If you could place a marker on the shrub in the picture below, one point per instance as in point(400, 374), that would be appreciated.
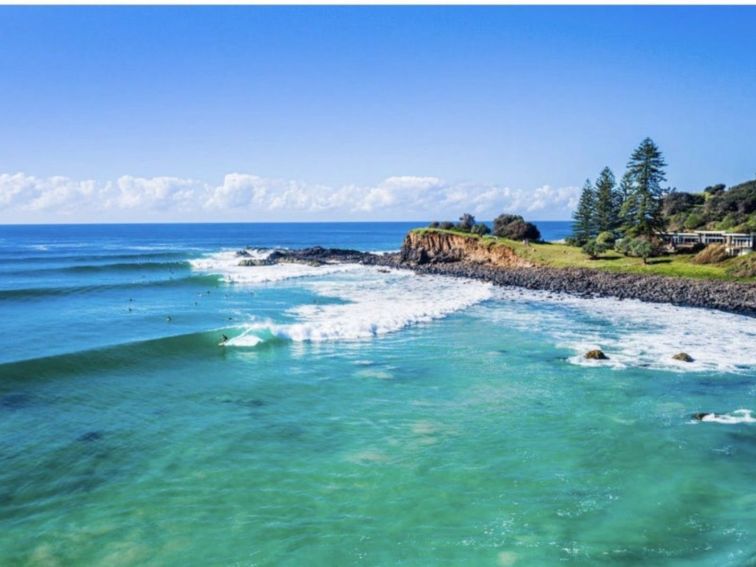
point(694, 220)
point(480, 229)
point(434, 224)
point(714, 189)
point(446, 225)
point(514, 227)
point(623, 246)
point(728, 222)
point(712, 254)
point(640, 247)
point(744, 266)
point(593, 248)
point(645, 248)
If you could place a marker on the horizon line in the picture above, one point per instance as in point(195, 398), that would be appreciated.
point(235, 222)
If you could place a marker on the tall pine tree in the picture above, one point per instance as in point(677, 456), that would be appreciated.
point(584, 225)
point(624, 189)
point(641, 210)
point(607, 212)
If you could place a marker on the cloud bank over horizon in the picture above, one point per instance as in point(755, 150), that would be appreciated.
point(243, 197)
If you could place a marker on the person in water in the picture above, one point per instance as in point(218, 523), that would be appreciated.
point(224, 339)
point(703, 415)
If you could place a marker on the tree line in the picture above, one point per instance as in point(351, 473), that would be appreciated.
point(506, 225)
point(628, 214)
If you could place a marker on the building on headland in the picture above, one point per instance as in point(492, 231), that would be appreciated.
point(736, 243)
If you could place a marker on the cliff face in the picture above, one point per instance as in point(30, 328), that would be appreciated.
point(440, 247)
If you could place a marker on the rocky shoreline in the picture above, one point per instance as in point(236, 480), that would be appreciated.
point(710, 294)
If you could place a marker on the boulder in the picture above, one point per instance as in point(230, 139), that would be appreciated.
point(683, 357)
point(596, 354)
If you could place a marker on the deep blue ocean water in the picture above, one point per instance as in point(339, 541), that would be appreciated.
point(354, 415)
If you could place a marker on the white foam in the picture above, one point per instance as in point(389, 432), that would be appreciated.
point(244, 340)
point(631, 332)
point(738, 416)
point(226, 264)
point(375, 303)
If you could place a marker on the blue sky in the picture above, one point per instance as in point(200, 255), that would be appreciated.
point(386, 113)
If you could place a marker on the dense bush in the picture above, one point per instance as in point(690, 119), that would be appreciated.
point(714, 189)
point(693, 221)
point(480, 229)
point(593, 247)
point(434, 224)
point(712, 254)
point(446, 225)
point(679, 202)
point(716, 208)
point(514, 227)
point(641, 247)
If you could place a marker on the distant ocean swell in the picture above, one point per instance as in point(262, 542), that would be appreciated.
point(154, 352)
point(43, 292)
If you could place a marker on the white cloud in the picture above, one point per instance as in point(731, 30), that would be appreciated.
point(242, 196)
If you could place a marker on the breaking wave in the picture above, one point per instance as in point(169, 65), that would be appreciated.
point(372, 302)
point(226, 264)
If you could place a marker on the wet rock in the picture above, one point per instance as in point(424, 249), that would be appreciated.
point(596, 354)
point(313, 256)
point(683, 357)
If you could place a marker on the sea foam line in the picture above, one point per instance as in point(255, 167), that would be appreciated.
point(632, 333)
point(226, 265)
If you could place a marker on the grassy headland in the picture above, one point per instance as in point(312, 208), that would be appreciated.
point(564, 256)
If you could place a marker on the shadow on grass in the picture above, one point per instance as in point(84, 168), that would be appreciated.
point(659, 261)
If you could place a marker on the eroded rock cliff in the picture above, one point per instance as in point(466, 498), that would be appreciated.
point(440, 247)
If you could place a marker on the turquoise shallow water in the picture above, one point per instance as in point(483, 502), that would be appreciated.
point(355, 416)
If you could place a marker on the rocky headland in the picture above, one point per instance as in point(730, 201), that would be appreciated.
point(439, 253)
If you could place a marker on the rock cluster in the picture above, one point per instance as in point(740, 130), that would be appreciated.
point(596, 354)
point(314, 256)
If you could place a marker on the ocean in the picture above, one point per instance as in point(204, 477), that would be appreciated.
point(355, 415)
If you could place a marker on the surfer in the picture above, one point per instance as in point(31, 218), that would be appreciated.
point(737, 416)
point(701, 415)
point(223, 341)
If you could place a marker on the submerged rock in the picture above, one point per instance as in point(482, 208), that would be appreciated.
point(90, 436)
point(15, 401)
point(596, 354)
point(683, 357)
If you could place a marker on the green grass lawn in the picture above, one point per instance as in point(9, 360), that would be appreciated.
point(564, 256)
